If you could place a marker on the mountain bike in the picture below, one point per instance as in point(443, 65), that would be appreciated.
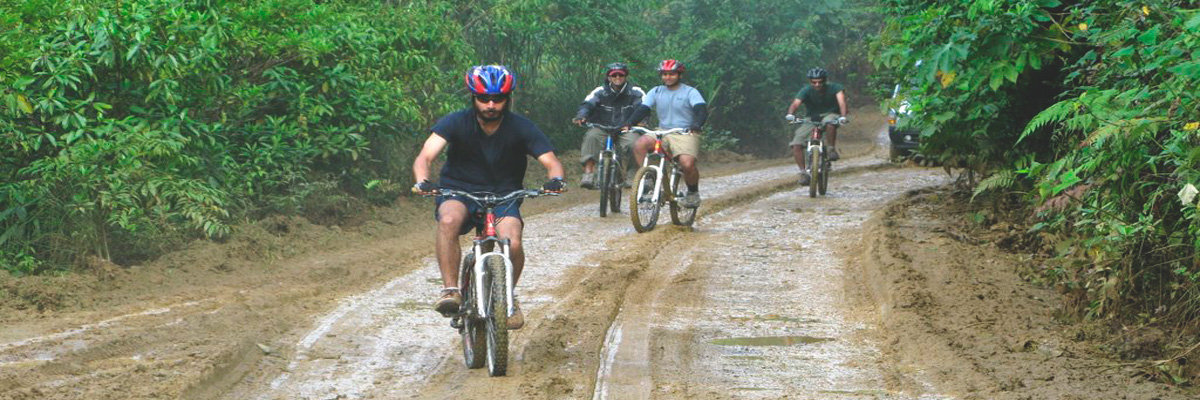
point(658, 182)
point(816, 160)
point(612, 175)
point(485, 279)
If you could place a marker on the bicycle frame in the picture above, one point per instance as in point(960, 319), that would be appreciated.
point(610, 150)
point(487, 243)
point(661, 155)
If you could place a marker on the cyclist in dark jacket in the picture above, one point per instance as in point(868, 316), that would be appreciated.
point(609, 104)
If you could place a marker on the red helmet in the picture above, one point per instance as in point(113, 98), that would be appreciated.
point(490, 79)
point(670, 65)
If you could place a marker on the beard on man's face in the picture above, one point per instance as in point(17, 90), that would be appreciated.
point(490, 112)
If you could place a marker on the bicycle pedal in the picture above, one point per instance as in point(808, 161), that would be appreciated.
point(456, 322)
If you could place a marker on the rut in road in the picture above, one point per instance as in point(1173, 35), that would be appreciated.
point(751, 305)
point(388, 342)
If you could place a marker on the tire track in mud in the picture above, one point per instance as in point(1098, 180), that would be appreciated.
point(752, 306)
point(388, 343)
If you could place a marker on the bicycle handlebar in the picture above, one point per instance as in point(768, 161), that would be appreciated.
point(675, 131)
point(486, 198)
point(819, 123)
point(602, 127)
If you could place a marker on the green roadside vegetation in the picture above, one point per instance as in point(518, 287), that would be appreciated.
point(1087, 112)
point(129, 127)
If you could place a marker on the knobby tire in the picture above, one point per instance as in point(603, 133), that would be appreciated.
point(604, 183)
point(497, 321)
point(814, 165)
point(474, 335)
point(614, 187)
point(825, 176)
point(644, 214)
point(680, 215)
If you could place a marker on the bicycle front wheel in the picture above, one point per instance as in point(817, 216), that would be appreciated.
point(497, 321)
point(643, 204)
point(472, 330)
point(614, 185)
point(604, 182)
point(680, 215)
point(814, 165)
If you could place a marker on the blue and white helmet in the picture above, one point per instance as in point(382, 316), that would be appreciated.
point(490, 79)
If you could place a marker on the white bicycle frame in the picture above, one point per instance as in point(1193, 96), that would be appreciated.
point(661, 160)
point(480, 272)
point(500, 248)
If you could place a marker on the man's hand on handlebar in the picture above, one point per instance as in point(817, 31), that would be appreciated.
point(555, 185)
point(842, 120)
point(790, 117)
point(425, 187)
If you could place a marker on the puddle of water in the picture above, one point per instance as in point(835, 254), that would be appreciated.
point(751, 358)
point(769, 341)
point(860, 392)
point(776, 317)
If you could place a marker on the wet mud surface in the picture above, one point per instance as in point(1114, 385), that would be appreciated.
point(771, 294)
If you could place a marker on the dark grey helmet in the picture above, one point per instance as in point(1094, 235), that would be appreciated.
point(818, 73)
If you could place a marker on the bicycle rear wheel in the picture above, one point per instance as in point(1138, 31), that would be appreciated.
point(824, 181)
point(680, 215)
point(643, 207)
point(472, 330)
point(497, 321)
point(604, 182)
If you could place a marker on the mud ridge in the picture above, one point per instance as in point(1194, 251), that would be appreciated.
point(956, 313)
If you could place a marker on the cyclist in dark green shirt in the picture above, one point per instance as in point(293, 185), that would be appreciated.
point(823, 101)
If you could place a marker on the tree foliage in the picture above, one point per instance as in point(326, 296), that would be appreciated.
point(129, 126)
point(1094, 104)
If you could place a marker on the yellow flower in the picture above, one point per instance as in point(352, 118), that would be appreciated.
point(1145, 10)
point(947, 78)
point(1082, 26)
point(1191, 126)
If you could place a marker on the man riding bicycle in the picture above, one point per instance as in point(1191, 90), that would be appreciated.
point(609, 104)
point(677, 105)
point(823, 101)
point(486, 145)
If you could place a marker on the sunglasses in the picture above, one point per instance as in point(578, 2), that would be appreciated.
point(491, 98)
point(616, 75)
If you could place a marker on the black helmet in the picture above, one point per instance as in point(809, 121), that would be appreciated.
point(817, 73)
point(617, 66)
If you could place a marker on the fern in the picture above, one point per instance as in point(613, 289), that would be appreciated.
point(1005, 179)
point(1056, 113)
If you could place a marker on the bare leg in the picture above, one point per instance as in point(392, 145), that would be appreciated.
point(798, 155)
point(645, 144)
point(589, 166)
point(511, 228)
point(452, 214)
point(691, 172)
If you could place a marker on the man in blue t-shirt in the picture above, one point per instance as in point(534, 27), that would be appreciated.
point(677, 105)
point(486, 148)
point(824, 101)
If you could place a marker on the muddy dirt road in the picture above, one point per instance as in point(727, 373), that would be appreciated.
point(759, 300)
point(748, 305)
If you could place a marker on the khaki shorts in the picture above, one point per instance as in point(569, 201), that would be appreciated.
point(679, 145)
point(593, 144)
point(800, 138)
